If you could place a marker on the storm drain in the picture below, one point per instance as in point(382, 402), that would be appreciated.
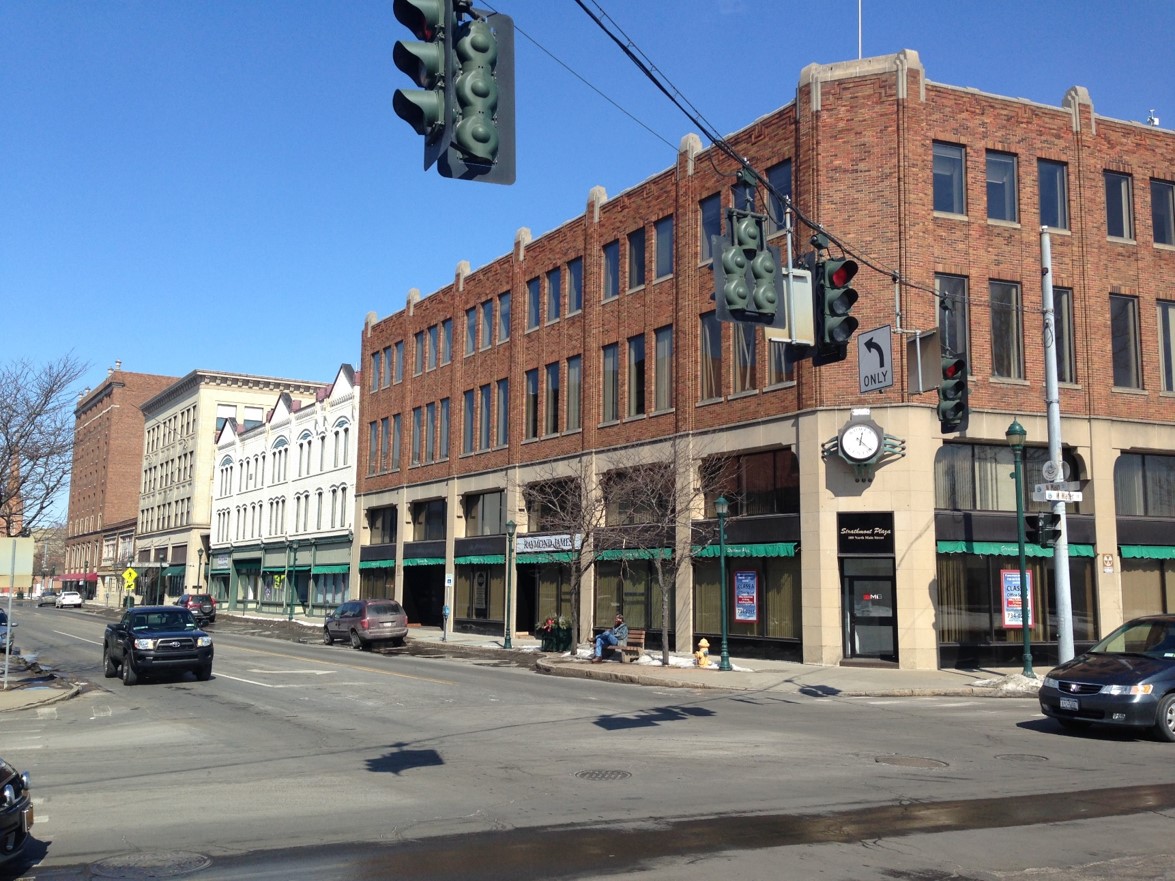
point(909, 762)
point(602, 774)
point(157, 864)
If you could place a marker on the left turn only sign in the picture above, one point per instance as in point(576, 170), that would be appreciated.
point(875, 359)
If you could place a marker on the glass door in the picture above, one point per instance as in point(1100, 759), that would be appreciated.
point(870, 608)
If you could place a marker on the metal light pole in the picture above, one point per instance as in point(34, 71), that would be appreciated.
point(289, 587)
point(85, 583)
point(1015, 436)
point(200, 570)
point(722, 507)
point(511, 526)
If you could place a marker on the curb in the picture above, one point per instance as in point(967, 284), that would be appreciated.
point(60, 694)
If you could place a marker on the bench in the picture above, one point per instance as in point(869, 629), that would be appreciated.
point(633, 647)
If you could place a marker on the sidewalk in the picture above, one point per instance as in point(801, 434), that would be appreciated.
point(29, 686)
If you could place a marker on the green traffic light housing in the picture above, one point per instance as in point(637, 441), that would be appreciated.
point(838, 301)
point(747, 282)
point(952, 408)
point(427, 61)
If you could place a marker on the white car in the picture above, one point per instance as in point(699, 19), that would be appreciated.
point(69, 598)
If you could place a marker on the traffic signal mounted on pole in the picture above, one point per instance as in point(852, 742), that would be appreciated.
point(952, 395)
point(748, 283)
point(1042, 529)
point(465, 106)
point(835, 298)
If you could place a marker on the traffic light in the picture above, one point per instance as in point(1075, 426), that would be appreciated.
point(952, 395)
point(747, 280)
point(835, 298)
point(428, 60)
point(1048, 529)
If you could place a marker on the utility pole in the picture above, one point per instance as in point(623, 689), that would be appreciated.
point(1053, 404)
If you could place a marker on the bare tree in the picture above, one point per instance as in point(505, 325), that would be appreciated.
point(36, 439)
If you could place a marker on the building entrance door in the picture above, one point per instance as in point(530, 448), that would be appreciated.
point(870, 608)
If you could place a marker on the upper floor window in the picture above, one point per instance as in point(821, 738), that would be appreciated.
point(418, 363)
point(743, 338)
point(468, 422)
point(532, 403)
point(551, 404)
point(1163, 211)
point(376, 358)
point(428, 520)
point(952, 314)
point(1054, 193)
point(974, 477)
point(779, 176)
point(663, 259)
point(554, 294)
point(1119, 206)
point(611, 270)
point(574, 286)
point(753, 484)
point(710, 357)
point(1002, 202)
point(1144, 485)
point(483, 434)
point(503, 434)
point(1127, 355)
point(389, 367)
point(487, 324)
point(636, 258)
point(470, 330)
point(483, 513)
point(1167, 344)
point(949, 179)
point(446, 340)
point(503, 316)
point(431, 360)
point(1066, 348)
point(710, 212)
point(1007, 331)
point(663, 368)
point(398, 356)
point(610, 381)
point(533, 303)
point(574, 392)
point(636, 376)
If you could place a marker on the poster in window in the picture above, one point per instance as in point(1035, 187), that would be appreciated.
point(746, 596)
point(1010, 590)
point(479, 589)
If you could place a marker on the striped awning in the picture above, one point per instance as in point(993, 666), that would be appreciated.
point(743, 549)
point(1007, 549)
point(480, 559)
point(330, 569)
point(634, 554)
point(1147, 552)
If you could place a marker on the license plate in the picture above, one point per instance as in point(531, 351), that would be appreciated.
point(385, 624)
point(1069, 703)
point(26, 818)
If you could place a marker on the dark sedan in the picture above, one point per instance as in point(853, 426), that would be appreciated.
point(16, 811)
point(1126, 680)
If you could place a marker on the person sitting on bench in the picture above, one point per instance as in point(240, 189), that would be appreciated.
point(612, 637)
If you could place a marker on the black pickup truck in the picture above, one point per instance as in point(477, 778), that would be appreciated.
point(152, 640)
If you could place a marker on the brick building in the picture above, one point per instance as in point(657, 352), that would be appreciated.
point(104, 479)
point(599, 338)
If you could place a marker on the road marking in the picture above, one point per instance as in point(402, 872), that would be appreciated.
point(382, 671)
point(310, 672)
point(78, 638)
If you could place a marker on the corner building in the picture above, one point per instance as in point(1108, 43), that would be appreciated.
point(599, 338)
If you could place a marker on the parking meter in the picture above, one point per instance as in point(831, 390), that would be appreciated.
point(445, 624)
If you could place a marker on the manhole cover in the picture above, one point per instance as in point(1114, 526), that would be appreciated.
point(602, 774)
point(910, 762)
point(1022, 757)
point(162, 864)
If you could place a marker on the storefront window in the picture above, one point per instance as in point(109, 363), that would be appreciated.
point(629, 587)
point(1148, 587)
point(778, 602)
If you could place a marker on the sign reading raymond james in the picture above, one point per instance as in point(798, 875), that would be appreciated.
point(870, 532)
point(537, 544)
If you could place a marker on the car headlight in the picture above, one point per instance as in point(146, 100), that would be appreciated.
point(1049, 682)
point(7, 796)
point(1132, 690)
point(145, 644)
point(204, 641)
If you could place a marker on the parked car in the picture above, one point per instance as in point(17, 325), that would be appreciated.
point(16, 811)
point(150, 640)
point(1126, 680)
point(5, 629)
point(367, 622)
point(48, 598)
point(202, 605)
point(68, 598)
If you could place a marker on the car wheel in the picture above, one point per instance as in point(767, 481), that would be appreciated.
point(398, 642)
point(1165, 719)
point(108, 667)
point(356, 642)
point(130, 676)
point(204, 672)
point(327, 639)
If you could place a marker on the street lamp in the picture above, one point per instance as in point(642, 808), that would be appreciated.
point(85, 574)
point(722, 507)
point(200, 570)
point(293, 575)
point(511, 526)
point(1015, 436)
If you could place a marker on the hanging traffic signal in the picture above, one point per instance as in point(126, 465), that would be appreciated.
point(428, 60)
point(834, 300)
point(1048, 529)
point(953, 412)
point(482, 145)
point(747, 282)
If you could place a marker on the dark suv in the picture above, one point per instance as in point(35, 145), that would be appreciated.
point(366, 622)
point(201, 605)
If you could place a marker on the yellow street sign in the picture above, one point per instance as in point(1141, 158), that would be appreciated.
point(128, 576)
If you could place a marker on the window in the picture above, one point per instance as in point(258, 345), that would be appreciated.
point(952, 314)
point(743, 337)
point(574, 286)
point(431, 357)
point(610, 411)
point(574, 393)
point(372, 448)
point(398, 354)
point(1119, 206)
point(1163, 211)
point(503, 317)
point(949, 187)
point(1007, 342)
point(376, 358)
point(428, 520)
point(1167, 344)
point(396, 442)
point(779, 177)
point(417, 425)
point(1002, 201)
point(551, 404)
point(754, 483)
point(663, 369)
point(636, 376)
point(487, 324)
point(533, 304)
point(483, 435)
point(710, 369)
point(467, 424)
point(1054, 193)
point(1065, 338)
point(443, 434)
point(554, 294)
point(636, 258)
point(779, 369)
point(1124, 339)
point(483, 513)
point(611, 270)
point(503, 435)
point(382, 522)
point(1144, 485)
point(975, 477)
point(446, 340)
point(532, 404)
point(418, 364)
point(470, 330)
point(430, 432)
point(385, 442)
point(710, 210)
point(663, 235)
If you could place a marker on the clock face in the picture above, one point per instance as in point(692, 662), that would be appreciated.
point(860, 442)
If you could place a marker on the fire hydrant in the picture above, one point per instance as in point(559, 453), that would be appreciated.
point(702, 655)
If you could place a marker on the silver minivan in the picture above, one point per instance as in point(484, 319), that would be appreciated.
point(365, 623)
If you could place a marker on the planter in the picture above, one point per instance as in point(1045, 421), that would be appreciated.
point(556, 640)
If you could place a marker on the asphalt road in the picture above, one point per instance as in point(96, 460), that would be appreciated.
point(306, 761)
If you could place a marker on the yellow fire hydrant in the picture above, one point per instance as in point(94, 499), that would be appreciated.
point(702, 655)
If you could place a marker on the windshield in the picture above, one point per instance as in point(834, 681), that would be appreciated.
point(1144, 637)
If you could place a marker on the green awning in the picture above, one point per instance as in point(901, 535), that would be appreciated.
point(474, 559)
point(278, 570)
point(634, 553)
point(1147, 552)
point(545, 557)
point(220, 571)
point(1008, 549)
point(173, 570)
point(769, 549)
point(424, 561)
point(331, 569)
point(377, 564)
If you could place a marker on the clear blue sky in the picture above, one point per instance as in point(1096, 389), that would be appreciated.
point(223, 184)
